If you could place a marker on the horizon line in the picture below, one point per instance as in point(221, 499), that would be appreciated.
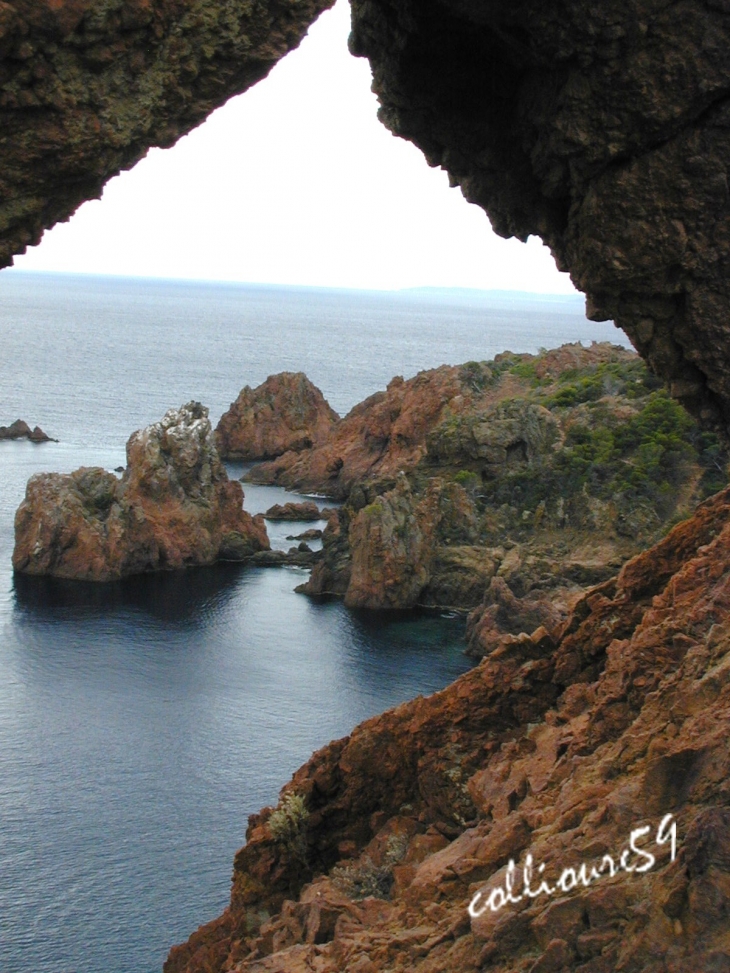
point(432, 289)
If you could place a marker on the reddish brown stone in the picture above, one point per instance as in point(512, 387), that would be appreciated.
point(286, 412)
point(560, 749)
point(173, 507)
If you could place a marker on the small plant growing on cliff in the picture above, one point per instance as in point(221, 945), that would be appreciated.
point(468, 480)
point(364, 878)
point(476, 376)
point(288, 825)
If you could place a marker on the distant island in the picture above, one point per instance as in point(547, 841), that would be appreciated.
point(21, 430)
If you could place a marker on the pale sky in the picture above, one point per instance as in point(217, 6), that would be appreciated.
point(295, 182)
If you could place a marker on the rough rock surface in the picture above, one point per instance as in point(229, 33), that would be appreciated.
point(21, 430)
point(173, 507)
point(286, 412)
point(380, 436)
point(602, 128)
point(306, 510)
point(396, 542)
point(557, 747)
point(87, 87)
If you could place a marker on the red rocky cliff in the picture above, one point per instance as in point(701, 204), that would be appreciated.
point(555, 747)
point(173, 507)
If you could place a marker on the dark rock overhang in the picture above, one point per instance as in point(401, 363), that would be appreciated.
point(602, 128)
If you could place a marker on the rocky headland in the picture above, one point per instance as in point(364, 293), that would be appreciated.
point(504, 487)
point(568, 748)
point(603, 129)
point(286, 412)
point(173, 507)
point(21, 430)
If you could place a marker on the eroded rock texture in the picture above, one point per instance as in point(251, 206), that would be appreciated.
point(285, 413)
point(555, 746)
point(173, 507)
point(601, 127)
point(87, 86)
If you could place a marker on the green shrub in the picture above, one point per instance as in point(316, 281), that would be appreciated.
point(476, 376)
point(631, 379)
point(647, 458)
point(467, 479)
point(288, 825)
point(363, 878)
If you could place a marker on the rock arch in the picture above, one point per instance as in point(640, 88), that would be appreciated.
point(602, 128)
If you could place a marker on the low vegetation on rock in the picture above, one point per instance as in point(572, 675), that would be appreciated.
point(503, 487)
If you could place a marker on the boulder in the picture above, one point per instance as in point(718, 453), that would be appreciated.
point(173, 507)
point(307, 510)
point(286, 412)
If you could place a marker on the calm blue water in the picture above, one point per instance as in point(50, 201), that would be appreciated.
point(140, 723)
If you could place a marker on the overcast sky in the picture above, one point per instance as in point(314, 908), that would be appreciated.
point(295, 182)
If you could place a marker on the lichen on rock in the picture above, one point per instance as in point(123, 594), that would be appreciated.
point(173, 507)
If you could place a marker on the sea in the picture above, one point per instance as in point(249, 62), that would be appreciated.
point(142, 722)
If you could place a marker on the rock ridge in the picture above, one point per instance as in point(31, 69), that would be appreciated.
point(557, 746)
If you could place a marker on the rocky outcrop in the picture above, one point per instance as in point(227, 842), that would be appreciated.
point(286, 412)
point(173, 507)
point(557, 747)
point(502, 613)
point(455, 414)
point(542, 475)
point(398, 549)
point(86, 88)
point(21, 430)
point(307, 510)
point(382, 435)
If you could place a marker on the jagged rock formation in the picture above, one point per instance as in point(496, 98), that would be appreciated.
point(173, 507)
point(286, 412)
point(540, 473)
point(560, 748)
point(601, 128)
point(87, 87)
point(380, 436)
point(21, 430)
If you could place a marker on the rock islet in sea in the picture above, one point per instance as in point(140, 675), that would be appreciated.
point(173, 507)
point(21, 430)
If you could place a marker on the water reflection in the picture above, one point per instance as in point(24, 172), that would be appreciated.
point(186, 599)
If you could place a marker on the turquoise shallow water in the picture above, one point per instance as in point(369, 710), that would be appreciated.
point(140, 723)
